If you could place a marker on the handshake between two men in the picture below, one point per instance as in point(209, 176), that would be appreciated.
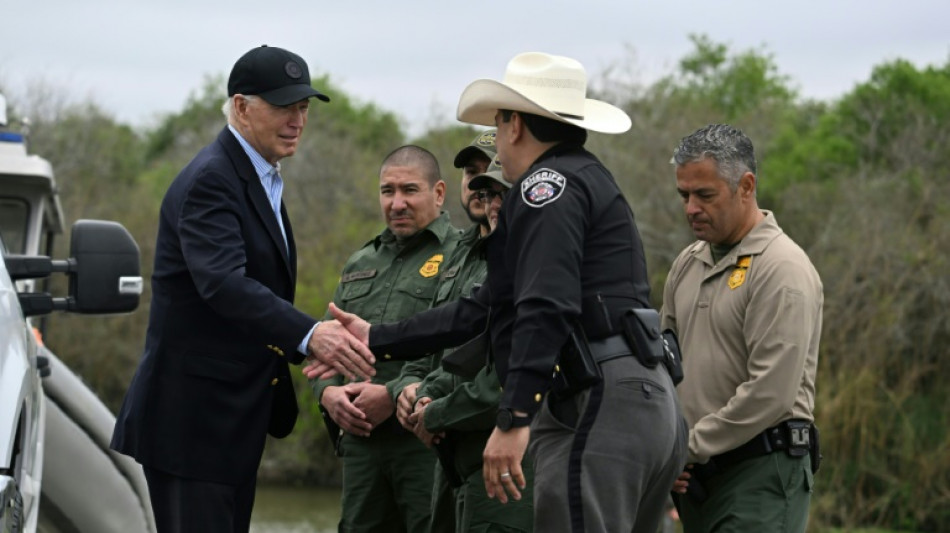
point(340, 347)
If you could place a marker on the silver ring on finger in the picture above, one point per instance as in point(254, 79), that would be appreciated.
point(505, 474)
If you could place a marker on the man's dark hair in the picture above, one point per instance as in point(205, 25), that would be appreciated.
point(725, 144)
point(411, 155)
point(547, 129)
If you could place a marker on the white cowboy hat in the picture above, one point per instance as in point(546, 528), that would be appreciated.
point(541, 84)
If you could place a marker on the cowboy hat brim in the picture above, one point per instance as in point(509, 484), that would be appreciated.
point(483, 98)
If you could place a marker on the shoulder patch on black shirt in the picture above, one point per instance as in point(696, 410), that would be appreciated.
point(542, 187)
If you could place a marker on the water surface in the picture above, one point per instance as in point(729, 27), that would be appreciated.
point(279, 509)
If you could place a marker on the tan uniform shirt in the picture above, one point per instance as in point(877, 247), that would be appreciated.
point(749, 328)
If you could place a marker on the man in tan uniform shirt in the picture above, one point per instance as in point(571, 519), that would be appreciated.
point(746, 303)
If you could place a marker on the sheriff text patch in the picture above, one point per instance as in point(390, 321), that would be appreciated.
point(542, 187)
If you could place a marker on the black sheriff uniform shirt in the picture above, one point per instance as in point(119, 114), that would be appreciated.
point(566, 250)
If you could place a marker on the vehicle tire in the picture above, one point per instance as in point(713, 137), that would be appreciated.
point(11, 518)
point(17, 513)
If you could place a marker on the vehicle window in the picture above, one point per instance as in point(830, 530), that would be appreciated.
point(14, 217)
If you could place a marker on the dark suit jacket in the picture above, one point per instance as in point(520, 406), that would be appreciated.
point(214, 377)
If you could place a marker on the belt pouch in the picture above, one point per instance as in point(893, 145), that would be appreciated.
point(641, 327)
point(798, 435)
point(673, 360)
point(579, 371)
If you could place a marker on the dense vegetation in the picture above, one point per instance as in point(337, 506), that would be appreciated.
point(860, 182)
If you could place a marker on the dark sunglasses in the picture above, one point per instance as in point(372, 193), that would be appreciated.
point(487, 195)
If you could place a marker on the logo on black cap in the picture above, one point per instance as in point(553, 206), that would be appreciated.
point(293, 69)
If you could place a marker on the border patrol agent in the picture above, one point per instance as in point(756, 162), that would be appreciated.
point(474, 160)
point(565, 266)
point(387, 472)
point(746, 303)
point(463, 409)
point(459, 274)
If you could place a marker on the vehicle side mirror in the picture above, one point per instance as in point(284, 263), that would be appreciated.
point(106, 277)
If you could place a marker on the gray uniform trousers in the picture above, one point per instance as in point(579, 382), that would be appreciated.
point(606, 458)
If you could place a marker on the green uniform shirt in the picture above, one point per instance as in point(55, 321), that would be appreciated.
point(458, 403)
point(456, 278)
point(386, 281)
point(466, 408)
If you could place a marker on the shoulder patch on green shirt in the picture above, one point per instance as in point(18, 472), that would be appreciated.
point(362, 274)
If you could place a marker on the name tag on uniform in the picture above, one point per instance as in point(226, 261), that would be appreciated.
point(452, 272)
point(362, 274)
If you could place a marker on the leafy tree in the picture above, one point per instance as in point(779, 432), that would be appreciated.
point(893, 122)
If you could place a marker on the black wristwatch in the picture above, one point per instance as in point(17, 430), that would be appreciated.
point(506, 419)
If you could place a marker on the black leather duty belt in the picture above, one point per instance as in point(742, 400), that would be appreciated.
point(608, 348)
point(792, 436)
point(797, 438)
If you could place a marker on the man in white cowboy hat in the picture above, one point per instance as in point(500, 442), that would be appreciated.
point(565, 268)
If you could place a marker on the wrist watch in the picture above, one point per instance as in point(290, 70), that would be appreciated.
point(506, 419)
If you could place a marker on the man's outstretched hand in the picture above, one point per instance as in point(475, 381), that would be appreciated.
point(336, 349)
point(358, 327)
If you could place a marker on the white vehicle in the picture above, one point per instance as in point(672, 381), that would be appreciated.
point(57, 473)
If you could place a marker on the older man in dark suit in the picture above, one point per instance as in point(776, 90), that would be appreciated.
point(214, 378)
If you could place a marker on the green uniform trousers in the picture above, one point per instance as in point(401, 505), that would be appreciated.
point(769, 493)
point(443, 503)
point(475, 512)
point(387, 483)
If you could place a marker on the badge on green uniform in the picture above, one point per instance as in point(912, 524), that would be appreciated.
point(431, 266)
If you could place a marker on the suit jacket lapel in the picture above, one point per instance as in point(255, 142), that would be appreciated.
point(255, 191)
point(292, 252)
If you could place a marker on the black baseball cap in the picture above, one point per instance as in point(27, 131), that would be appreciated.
point(278, 76)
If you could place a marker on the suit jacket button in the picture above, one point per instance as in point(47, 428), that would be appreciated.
point(387, 357)
point(274, 381)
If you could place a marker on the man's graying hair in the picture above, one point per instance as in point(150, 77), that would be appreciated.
point(727, 145)
point(229, 104)
point(411, 155)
